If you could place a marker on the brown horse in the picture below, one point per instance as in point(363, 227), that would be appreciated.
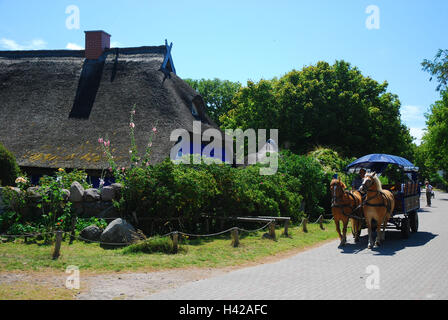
point(379, 205)
point(345, 205)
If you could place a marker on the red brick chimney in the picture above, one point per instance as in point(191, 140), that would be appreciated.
point(96, 42)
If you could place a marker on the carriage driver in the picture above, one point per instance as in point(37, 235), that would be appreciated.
point(357, 182)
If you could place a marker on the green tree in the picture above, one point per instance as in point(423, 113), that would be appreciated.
point(324, 105)
point(435, 141)
point(217, 95)
point(438, 68)
point(432, 154)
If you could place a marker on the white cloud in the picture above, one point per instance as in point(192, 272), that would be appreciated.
point(412, 114)
point(115, 44)
point(73, 46)
point(35, 44)
point(417, 133)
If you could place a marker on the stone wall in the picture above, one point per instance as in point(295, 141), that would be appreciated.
point(85, 202)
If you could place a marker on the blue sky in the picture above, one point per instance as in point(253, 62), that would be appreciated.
point(254, 39)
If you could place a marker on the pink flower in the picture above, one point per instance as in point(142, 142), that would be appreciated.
point(132, 125)
point(110, 169)
point(150, 144)
point(122, 169)
point(154, 129)
point(133, 112)
point(100, 140)
point(107, 143)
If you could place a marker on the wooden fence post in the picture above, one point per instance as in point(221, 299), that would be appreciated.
point(235, 239)
point(305, 221)
point(286, 227)
point(272, 230)
point(175, 241)
point(72, 234)
point(57, 245)
point(321, 221)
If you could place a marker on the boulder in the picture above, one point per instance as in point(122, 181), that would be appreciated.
point(66, 194)
point(117, 188)
point(118, 231)
point(76, 192)
point(33, 194)
point(91, 195)
point(92, 233)
point(108, 193)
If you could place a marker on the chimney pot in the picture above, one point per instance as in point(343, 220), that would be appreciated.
point(96, 43)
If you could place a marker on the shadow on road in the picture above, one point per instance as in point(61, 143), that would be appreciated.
point(394, 243)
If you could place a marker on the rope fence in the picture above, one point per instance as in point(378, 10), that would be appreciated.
point(173, 234)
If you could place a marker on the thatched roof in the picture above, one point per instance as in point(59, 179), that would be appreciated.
point(46, 120)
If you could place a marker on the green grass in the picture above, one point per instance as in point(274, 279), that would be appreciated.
point(203, 252)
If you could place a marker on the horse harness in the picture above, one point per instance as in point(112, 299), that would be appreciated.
point(354, 208)
point(386, 200)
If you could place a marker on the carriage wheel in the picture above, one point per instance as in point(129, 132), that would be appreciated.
point(414, 221)
point(405, 228)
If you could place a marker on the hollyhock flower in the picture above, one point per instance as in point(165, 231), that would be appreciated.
point(150, 145)
point(101, 182)
point(154, 129)
point(122, 169)
point(132, 125)
point(107, 143)
point(100, 140)
point(133, 112)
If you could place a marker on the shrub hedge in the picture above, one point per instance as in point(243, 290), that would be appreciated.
point(9, 170)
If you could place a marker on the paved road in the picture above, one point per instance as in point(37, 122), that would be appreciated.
point(415, 268)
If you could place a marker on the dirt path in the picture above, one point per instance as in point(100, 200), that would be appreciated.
point(103, 286)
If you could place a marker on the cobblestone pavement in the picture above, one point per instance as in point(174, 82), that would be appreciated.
point(414, 268)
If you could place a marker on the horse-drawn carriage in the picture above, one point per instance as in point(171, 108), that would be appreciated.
point(374, 204)
point(406, 193)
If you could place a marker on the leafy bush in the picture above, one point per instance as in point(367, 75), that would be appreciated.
point(65, 179)
point(331, 163)
point(169, 191)
point(9, 170)
point(82, 223)
point(311, 177)
point(53, 209)
point(153, 245)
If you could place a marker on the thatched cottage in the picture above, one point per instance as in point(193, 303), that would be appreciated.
point(55, 104)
